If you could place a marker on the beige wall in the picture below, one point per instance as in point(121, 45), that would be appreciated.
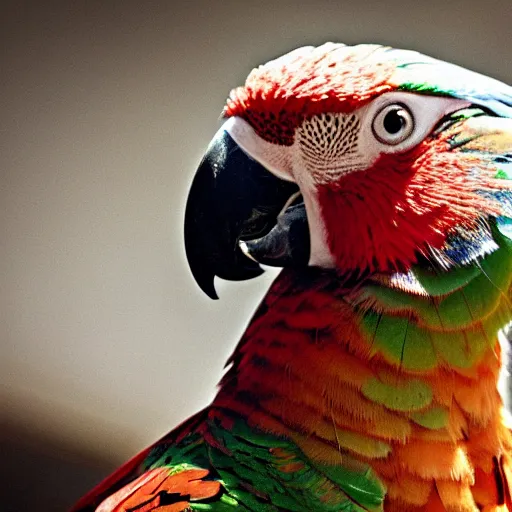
point(106, 109)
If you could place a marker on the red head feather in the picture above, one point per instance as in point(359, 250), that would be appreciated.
point(405, 205)
point(331, 78)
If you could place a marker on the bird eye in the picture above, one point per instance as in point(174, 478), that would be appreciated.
point(393, 124)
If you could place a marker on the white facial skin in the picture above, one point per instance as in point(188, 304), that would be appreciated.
point(328, 146)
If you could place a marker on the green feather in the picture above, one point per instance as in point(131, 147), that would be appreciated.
point(442, 283)
point(410, 395)
point(307, 487)
point(433, 419)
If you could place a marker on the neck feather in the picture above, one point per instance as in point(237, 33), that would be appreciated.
point(377, 373)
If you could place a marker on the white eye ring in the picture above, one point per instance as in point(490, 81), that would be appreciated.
point(393, 124)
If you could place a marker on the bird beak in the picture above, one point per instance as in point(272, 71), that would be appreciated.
point(239, 215)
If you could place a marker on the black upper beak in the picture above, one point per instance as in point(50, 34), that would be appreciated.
point(233, 198)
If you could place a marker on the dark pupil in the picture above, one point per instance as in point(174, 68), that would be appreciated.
point(393, 121)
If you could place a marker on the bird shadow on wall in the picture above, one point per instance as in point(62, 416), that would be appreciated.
point(41, 472)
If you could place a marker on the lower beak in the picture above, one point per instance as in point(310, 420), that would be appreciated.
point(235, 203)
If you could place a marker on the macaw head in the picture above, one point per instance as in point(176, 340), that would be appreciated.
point(360, 159)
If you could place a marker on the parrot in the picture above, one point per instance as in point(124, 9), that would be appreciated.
point(380, 181)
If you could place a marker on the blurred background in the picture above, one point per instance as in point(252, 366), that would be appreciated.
point(107, 107)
